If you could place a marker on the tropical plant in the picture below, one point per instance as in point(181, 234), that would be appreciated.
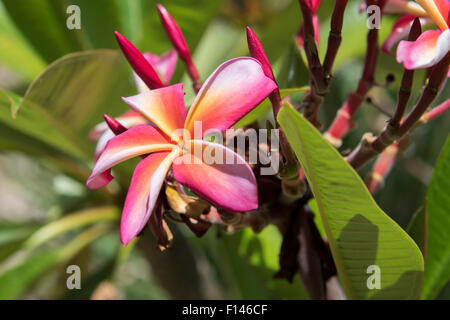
point(249, 178)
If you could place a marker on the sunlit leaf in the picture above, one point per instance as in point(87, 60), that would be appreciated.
point(359, 232)
point(70, 222)
point(36, 124)
point(43, 22)
point(15, 51)
point(437, 262)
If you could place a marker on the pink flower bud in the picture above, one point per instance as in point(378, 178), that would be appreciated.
point(114, 125)
point(138, 62)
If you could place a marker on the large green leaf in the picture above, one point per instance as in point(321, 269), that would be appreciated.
point(359, 232)
point(15, 52)
point(70, 97)
point(43, 23)
point(70, 222)
point(255, 260)
point(34, 125)
point(437, 262)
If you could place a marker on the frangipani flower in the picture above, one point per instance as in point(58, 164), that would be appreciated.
point(164, 67)
point(234, 89)
point(432, 45)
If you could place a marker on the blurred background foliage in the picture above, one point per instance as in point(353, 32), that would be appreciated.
point(54, 88)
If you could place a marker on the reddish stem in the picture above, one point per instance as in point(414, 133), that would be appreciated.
point(334, 38)
point(405, 90)
point(343, 121)
point(178, 41)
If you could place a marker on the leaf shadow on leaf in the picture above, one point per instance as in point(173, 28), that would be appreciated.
point(367, 250)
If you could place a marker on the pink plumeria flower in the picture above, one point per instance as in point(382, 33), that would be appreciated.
point(432, 45)
point(164, 67)
point(233, 90)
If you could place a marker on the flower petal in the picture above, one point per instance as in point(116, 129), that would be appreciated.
point(141, 139)
point(400, 30)
point(228, 184)
point(164, 65)
point(164, 107)
point(403, 7)
point(444, 8)
point(234, 89)
point(426, 51)
point(148, 178)
point(103, 133)
point(433, 9)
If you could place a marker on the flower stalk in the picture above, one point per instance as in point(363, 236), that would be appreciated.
point(178, 41)
point(407, 80)
point(334, 38)
point(343, 122)
point(371, 146)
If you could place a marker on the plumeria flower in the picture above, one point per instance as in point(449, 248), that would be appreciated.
point(432, 45)
point(233, 90)
point(164, 67)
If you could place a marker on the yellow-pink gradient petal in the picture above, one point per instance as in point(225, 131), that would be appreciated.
point(233, 90)
point(230, 184)
point(164, 107)
point(139, 140)
point(148, 178)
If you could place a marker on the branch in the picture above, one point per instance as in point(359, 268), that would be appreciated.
point(343, 121)
point(405, 89)
point(370, 146)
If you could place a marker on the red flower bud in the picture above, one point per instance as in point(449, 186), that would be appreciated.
point(114, 125)
point(178, 41)
point(138, 62)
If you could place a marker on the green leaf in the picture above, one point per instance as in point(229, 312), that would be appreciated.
point(254, 259)
point(437, 262)
point(17, 278)
point(36, 124)
point(12, 237)
point(70, 222)
point(64, 103)
point(417, 228)
point(359, 232)
point(260, 111)
point(99, 20)
point(15, 51)
point(43, 22)
point(293, 72)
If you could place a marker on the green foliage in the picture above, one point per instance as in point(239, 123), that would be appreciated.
point(359, 232)
point(437, 262)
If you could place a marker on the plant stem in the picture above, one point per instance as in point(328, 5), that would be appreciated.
point(371, 146)
point(343, 121)
point(312, 102)
point(405, 90)
point(334, 38)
